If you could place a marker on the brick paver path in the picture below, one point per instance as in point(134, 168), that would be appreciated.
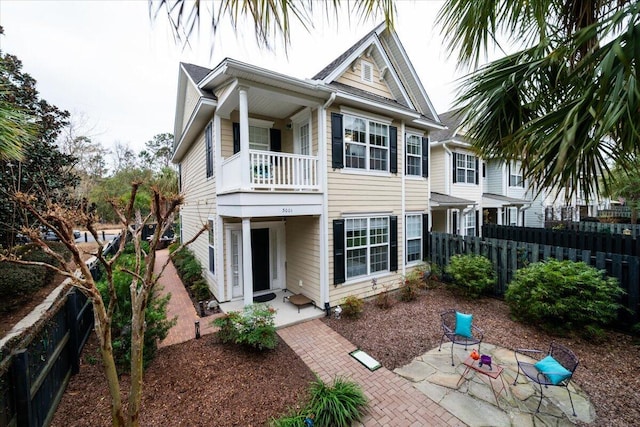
point(180, 305)
point(393, 401)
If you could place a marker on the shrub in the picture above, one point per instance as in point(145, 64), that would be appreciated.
point(473, 273)
point(33, 252)
point(18, 282)
point(254, 327)
point(563, 294)
point(335, 405)
point(157, 324)
point(188, 266)
point(352, 307)
point(383, 299)
point(200, 290)
point(408, 290)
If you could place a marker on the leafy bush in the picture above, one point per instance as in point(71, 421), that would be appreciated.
point(408, 290)
point(473, 273)
point(383, 299)
point(352, 307)
point(157, 324)
point(563, 294)
point(200, 290)
point(190, 272)
point(254, 327)
point(335, 405)
point(18, 282)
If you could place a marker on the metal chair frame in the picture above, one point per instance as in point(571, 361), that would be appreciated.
point(449, 326)
point(562, 354)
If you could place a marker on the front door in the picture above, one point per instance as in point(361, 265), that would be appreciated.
point(260, 259)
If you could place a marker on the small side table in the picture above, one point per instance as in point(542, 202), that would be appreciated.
point(298, 300)
point(492, 374)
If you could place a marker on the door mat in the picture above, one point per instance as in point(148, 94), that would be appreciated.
point(369, 362)
point(265, 297)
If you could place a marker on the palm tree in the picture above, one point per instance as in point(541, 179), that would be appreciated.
point(567, 102)
point(272, 18)
point(15, 130)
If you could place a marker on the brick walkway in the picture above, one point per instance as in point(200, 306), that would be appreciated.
point(393, 401)
point(180, 305)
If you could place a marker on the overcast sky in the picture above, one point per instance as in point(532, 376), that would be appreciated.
point(108, 61)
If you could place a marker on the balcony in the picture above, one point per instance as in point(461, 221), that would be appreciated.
point(271, 171)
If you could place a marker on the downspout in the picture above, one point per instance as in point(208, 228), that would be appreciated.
point(403, 210)
point(324, 223)
point(448, 177)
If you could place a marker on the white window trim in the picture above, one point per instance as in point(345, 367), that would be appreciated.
point(363, 65)
point(300, 119)
point(366, 115)
point(419, 156)
point(211, 235)
point(466, 169)
point(406, 239)
point(261, 123)
point(368, 246)
point(472, 215)
point(515, 171)
point(367, 146)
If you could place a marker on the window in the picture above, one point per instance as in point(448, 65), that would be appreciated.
point(208, 139)
point(212, 259)
point(367, 245)
point(414, 238)
point(465, 168)
point(515, 177)
point(258, 138)
point(414, 155)
point(367, 72)
point(366, 144)
point(470, 224)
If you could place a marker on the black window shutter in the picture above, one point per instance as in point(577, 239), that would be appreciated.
point(425, 237)
point(236, 137)
point(477, 171)
point(337, 144)
point(509, 173)
point(455, 167)
point(393, 149)
point(209, 149)
point(393, 240)
point(425, 157)
point(276, 140)
point(338, 251)
point(454, 221)
point(484, 169)
point(212, 260)
point(477, 223)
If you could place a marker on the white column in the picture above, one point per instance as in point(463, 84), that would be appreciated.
point(518, 217)
point(460, 230)
point(247, 262)
point(245, 166)
point(499, 215)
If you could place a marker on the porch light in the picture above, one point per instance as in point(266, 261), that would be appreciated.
point(197, 325)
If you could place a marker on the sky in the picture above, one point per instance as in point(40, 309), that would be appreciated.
point(116, 69)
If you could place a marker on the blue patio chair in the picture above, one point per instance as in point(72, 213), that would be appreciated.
point(459, 329)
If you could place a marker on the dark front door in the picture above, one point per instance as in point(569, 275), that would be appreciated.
point(260, 259)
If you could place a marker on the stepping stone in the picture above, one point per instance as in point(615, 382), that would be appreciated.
point(474, 412)
point(432, 391)
point(415, 371)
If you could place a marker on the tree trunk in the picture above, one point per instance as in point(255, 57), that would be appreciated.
point(137, 351)
point(103, 332)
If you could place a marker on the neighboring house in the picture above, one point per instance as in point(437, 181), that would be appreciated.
point(456, 184)
point(506, 197)
point(318, 186)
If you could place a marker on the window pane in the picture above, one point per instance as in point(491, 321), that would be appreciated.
point(414, 248)
point(379, 231)
point(356, 232)
point(379, 256)
point(414, 165)
point(378, 159)
point(414, 145)
point(414, 226)
point(378, 134)
point(356, 262)
point(471, 176)
point(461, 175)
point(355, 156)
point(258, 138)
point(354, 129)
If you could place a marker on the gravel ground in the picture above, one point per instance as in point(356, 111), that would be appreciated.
point(608, 371)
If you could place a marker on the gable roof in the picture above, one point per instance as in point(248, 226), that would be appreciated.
point(385, 47)
point(196, 72)
point(452, 120)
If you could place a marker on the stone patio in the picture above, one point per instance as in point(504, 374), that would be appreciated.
point(473, 401)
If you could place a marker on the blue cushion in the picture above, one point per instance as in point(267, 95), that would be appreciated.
point(553, 370)
point(463, 324)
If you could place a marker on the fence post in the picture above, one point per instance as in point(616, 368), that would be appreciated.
point(22, 381)
point(71, 309)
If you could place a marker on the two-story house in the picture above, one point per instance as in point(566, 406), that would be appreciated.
point(314, 185)
point(456, 180)
point(506, 195)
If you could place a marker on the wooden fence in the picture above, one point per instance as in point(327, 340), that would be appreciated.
point(596, 227)
point(34, 375)
point(582, 240)
point(508, 256)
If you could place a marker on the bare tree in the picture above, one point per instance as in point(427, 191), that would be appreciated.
point(62, 219)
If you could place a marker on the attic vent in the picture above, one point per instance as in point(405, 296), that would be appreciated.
point(367, 72)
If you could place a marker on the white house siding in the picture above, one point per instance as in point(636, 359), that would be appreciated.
point(495, 177)
point(354, 79)
point(366, 194)
point(437, 175)
point(190, 100)
point(303, 256)
point(534, 216)
point(226, 134)
point(199, 205)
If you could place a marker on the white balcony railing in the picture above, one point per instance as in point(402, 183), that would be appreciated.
point(269, 170)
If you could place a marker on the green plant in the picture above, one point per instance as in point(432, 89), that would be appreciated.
point(472, 273)
point(352, 307)
point(200, 290)
point(253, 327)
point(157, 324)
point(408, 290)
point(17, 282)
point(336, 405)
point(563, 295)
